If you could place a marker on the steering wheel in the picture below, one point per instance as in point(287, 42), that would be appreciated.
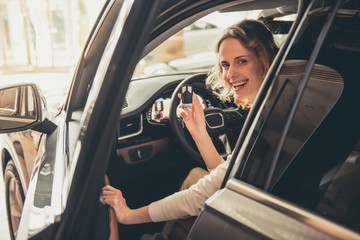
point(216, 119)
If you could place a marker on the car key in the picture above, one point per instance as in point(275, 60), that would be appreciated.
point(186, 96)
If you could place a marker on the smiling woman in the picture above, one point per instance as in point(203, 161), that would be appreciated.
point(243, 58)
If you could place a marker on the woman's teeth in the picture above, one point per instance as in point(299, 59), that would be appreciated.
point(240, 84)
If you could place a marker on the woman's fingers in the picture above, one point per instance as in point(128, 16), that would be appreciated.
point(197, 103)
point(186, 113)
point(109, 201)
point(194, 98)
point(114, 198)
point(109, 188)
point(110, 194)
point(193, 117)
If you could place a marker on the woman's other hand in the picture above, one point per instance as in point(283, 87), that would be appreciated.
point(114, 198)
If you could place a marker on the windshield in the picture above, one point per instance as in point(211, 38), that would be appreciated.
point(192, 48)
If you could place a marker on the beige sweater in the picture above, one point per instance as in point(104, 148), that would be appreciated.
point(189, 202)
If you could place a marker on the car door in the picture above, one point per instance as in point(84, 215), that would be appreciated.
point(63, 195)
point(101, 113)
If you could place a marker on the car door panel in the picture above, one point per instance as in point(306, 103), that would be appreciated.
point(256, 214)
point(40, 204)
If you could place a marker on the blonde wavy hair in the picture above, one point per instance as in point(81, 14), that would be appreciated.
point(255, 36)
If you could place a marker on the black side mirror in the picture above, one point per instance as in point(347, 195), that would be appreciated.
point(23, 107)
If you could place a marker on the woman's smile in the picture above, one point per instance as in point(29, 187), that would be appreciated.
point(237, 86)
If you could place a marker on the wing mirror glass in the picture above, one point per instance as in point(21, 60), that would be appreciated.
point(21, 107)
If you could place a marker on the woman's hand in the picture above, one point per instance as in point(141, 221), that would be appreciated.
point(115, 199)
point(194, 118)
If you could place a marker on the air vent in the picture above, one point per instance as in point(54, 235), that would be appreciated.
point(130, 127)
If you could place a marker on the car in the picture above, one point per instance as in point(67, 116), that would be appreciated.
point(18, 150)
point(294, 171)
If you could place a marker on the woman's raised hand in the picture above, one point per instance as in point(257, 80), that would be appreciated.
point(194, 118)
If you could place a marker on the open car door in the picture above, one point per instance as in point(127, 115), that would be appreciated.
point(63, 197)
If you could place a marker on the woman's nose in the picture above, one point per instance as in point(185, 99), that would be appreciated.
point(231, 72)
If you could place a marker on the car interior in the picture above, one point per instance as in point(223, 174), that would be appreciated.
point(149, 159)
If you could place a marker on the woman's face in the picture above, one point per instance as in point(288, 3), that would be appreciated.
point(241, 68)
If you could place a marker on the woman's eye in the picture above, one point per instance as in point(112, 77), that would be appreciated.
point(225, 65)
point(242, 61)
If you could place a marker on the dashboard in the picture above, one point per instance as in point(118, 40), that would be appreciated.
point(160, 110)
point(144, 127)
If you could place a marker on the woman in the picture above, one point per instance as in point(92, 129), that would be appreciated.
point(245, 52)
point(234, 71)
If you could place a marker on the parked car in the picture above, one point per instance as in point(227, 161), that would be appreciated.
point(294, 172)
point(19, 149)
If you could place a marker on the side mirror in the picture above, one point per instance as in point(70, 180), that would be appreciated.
point(23, 107)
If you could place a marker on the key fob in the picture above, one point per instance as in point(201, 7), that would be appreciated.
point(186, 96)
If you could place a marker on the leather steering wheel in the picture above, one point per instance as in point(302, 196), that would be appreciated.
point(216, 119)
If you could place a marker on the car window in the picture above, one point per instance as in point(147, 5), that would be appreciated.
point(199, 25)
point(192, 47)
point(317, 166)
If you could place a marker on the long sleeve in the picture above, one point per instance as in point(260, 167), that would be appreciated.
point(188, 202)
